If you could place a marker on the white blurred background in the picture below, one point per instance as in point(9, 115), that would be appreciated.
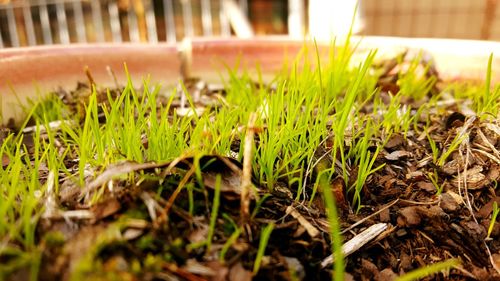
point(43, 22)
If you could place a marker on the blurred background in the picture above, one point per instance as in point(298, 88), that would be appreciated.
point(45, 22)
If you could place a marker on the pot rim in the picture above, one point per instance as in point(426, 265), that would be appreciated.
point(23, 70)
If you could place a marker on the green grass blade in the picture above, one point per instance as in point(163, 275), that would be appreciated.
point(264, 239)
point(428, 270)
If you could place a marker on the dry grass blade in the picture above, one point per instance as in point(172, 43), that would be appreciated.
point(357, 242)
point(89, 76)
point(118, 170)
point(50, 203)
point(52, 126)
point(311, 230)
point(151, 205)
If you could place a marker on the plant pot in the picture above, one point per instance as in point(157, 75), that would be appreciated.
point(29, 72)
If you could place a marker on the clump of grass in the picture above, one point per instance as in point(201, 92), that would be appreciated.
point(414, 82)
point(487, 102)
point(365, 160)
point(309, 109)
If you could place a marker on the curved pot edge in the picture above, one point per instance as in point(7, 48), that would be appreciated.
point(22, 70)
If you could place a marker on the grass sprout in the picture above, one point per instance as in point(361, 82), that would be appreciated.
point(487, 102)
point(215, 210)
point(335, 236)
point(264, 239)
point(493, 220)
point(420, 273)
point(457, 140)
point(433, 177)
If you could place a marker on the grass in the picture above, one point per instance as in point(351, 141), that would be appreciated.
point(264, 239)
point(335, 236)
point(420, 273)
point(486, 101)
point(493, 220)
point(434, 177)
point(309, 109)
point(215, 210)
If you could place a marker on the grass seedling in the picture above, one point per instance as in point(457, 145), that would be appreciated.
point(420, 273)
point(457, 140)
point(391, 117)
point(230, 241)
point(264, 239)
point(215, 210)
point(414, 83)
point(433, 177)
point(312, 117)
point(344, 110)
point(434, 148)
point(487, 102)
point(493, 220)
point(335, 236)
point(365, 161)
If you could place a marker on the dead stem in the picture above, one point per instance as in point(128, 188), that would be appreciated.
point(186, 56)
point(113, 75)
point(120, 169)
point(89, 77)
point(246, 179)
point(465, 143)
point(311, 165)
point(492, 261)
point(311, 230)
point(50, 203)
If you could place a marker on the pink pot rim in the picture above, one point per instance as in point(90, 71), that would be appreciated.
point(49, 67)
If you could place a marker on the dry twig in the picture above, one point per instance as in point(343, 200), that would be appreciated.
point(246, 179)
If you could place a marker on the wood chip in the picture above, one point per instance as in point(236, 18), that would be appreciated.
point(427, 186)
point(395, 141)
point(398, 154)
